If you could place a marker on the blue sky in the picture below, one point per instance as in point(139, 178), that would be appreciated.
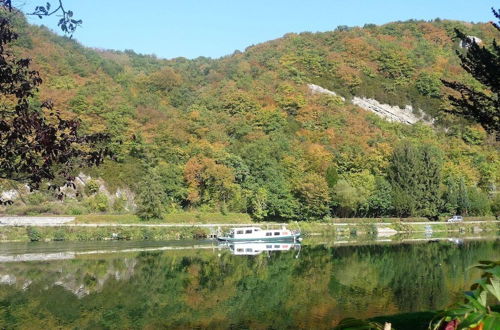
point(215, 28)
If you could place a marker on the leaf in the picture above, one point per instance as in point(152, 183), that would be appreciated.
point(483, 295)
point(491, 321)
point(459, 311)
point(356, 324)
point(477, 304)
point(494, 288)
point(471, 320)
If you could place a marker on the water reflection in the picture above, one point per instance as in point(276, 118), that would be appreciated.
point(252, 249)
point(189, 287)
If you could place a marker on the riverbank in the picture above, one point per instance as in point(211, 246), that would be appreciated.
point(74, 230)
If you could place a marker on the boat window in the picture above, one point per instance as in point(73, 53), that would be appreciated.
point(269, 234)
point(248, 250)
point(276, 233)
point(239, 232)
point(269, 246)
point(248, 231)
point(256, 229)
point(239, 250)
point(276, 246)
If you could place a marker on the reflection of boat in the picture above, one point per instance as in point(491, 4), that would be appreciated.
point(457, 241)
point(252, 249)
point(256, 234)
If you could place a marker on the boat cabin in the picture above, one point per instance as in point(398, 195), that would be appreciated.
point(256, 232)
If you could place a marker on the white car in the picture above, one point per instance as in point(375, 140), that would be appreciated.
point(456, 218)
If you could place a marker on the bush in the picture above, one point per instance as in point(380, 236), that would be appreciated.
point(92, 187)
point(59, 235)
point(35, 198)
point(119, 204)
point(33, 234)
point(44, 208)
point(76, 210)
point(98, 203)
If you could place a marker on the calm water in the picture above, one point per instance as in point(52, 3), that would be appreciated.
point(129, 285)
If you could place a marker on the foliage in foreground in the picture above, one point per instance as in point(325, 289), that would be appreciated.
point(475, 312)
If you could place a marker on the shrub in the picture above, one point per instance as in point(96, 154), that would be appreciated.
point(92, 187)
point(98, 203)
point(35, 198)
point(119, 204)
point(59, 235)
point(33, 234)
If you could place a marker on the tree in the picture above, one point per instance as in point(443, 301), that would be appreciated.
point(150, 198)
point(314, 196)
point(483, 64)
point(380, 202)
point(450, 196)
point(36, 142)
point(415, 175)
point(463, 201)
point(346, 198)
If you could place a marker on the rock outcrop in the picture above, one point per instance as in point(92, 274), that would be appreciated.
point(315, 89)
point(386, 111)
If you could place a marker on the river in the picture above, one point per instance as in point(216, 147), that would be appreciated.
point(198, 284)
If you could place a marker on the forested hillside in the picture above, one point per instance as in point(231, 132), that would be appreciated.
point(244, 133)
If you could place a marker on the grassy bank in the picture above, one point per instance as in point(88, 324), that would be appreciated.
point(311, 229)
point(40, 234)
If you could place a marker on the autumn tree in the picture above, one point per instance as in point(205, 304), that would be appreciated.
point(36, 142)
point(483, 63)
point(312, 192)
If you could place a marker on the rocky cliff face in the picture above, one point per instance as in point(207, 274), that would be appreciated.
point(390, 113)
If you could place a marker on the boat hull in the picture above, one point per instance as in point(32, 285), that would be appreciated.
point(290, 238)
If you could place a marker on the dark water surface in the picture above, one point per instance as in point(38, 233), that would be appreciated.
point(136, 285)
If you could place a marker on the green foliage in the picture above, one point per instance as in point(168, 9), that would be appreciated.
point(33, 234)
point(479, 202)
point(475, 312)
point(428, 85)
point(314, 196)
point(92, 187)
point(415, 176)
point(380, 202)
point(150, 199)
point(495, 206)
point(98, 203)
point(347, 198)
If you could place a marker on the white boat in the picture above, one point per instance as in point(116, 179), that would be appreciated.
point(256, 234)
point(252, 249)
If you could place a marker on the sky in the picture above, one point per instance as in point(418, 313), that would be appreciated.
point(214, 28)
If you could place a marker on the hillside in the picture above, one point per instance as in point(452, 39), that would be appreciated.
point(245, 133)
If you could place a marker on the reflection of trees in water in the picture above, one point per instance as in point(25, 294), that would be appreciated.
point(201, 288)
